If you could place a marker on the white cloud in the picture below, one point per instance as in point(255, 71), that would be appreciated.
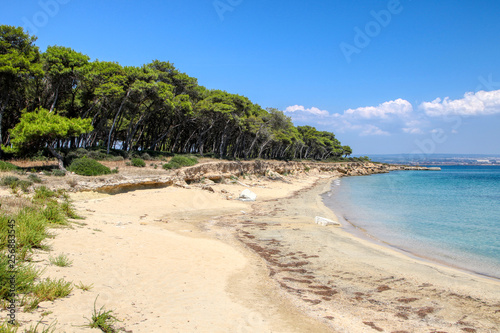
point(473, 104)
point(364, 129)
point(412, 130)
point(372, 130)
point(397, 107)
point(313, 110)
point(413, 127)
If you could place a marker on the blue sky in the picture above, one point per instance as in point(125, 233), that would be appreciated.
point(385, 76)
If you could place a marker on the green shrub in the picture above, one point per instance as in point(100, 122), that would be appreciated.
point(34, 178)
point(88, 167)
point(115, 158)
point(138, 162)
point(9, 181)
point(6, 166)
point(146, 157)
point(168, 166)
point(180, 161)
point(96, 154)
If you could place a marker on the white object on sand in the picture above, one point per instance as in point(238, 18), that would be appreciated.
point(247, 195)
point(324, 221)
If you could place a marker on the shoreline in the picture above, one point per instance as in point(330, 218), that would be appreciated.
point(190, 257)
point(479, 286)
point(360, 232)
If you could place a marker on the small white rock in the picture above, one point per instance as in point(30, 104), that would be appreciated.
point(247, 195)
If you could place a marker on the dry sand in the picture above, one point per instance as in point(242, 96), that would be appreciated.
point(190, 260)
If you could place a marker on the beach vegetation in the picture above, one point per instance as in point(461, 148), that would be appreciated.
point(84, 287)
point(58, 173)
point(26, 275)
point(103, 319)
point(43, 194)
point(35, 179)
point(61, 261)
point(88, 167)
point(179, 161)
point(32, 216)
point(50, 289)
point(5, 327)
point(44, 329)
point(29, 303)
point(10, 181)
point(138, 162)
point(6, 166)
point(43, 129)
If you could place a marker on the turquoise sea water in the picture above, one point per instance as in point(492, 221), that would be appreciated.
point(450, 216)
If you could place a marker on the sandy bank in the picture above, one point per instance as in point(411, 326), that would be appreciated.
point(152, 260)
point(188, 259)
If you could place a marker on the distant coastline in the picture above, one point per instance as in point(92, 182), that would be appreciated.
point(437, 159)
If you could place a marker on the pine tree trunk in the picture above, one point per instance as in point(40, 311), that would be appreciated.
point(59, 158)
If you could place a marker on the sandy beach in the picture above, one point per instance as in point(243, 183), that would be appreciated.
point(195, 259)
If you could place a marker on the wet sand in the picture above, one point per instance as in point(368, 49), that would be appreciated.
point(356, 285)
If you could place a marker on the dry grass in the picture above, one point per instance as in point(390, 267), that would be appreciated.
point(12, 205)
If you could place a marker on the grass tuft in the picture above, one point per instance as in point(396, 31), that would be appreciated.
point(34, 178)
point(8, 328)
point(103, 319)
point(45, 329)
point(61, 260)
point(58, 173)
point(50, 289)
point(84, 287)
point(25, 277)
point(31, 229)
point(43, 194)
point(54, 214)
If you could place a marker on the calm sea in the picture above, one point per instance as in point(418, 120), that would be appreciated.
point(450, 216)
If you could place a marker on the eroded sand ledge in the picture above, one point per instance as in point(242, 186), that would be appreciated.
point(182, 259)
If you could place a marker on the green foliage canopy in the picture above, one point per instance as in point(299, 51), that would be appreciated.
point(41, 128)
point(151, 107)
